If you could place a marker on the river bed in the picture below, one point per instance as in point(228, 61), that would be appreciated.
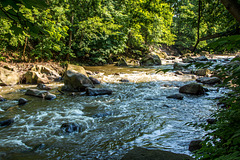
point(136, 114)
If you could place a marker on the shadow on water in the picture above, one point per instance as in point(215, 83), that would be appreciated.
point(136, 114)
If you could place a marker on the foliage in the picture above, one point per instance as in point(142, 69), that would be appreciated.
point(224, 138)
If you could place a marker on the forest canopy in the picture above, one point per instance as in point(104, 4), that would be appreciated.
point(97, 31)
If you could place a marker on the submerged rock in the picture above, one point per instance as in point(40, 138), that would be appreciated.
point(22, 101)
point(71, 127)
point(176, 96)
point(208, 80)
point(192, 88)
point(98, 91)
point(6, 123)
point(101, 115)
point(75, 82)
point(195, 145)
point(145, 154)
point(50, 96)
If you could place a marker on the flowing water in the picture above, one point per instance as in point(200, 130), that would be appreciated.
point(136, 114)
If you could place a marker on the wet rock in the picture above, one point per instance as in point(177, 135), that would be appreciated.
point(179, 66)
point(75, 82)
point(203, 72)
point(145, 154)
point(176, 96)
point(195, 145)
point(36, 93)
point(50, 96)
point(192, 88)
point(8, 78)
point(95, 80)
point(6, 123)
point(211, 121)
point(124, 80)
point(22, 101)
point(71, 127)
point(42, 86)
point(221, 105)
point(41, 94)
point(2, 99)
point(188, 60)
point(209, 80)
point(98, 91)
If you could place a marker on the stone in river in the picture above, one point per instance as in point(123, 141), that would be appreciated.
point(146, 154)
point(192, 88)
point(195, 145)
point(22, 101)
point(71, 127)
point(6, 123)
point(176, 96)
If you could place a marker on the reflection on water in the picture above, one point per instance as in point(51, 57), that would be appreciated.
point(136, 114)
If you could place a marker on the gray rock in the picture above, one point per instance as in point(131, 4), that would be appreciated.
point(40, 94)
point(201, 58)
point(76, 82)
point(95, 80)
point(192, 88)
point(22, 101)
point(176, 96)
point(208, 80)
point(195, 145)
point(6, 123)
point(145, 154)
point(50, 96)
point(203, 72)
point(98, 91)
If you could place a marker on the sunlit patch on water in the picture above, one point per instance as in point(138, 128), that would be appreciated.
point(136, 114)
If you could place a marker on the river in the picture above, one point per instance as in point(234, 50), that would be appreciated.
point(136, 114)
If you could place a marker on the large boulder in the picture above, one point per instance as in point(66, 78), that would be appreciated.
point(151, 59)
point(208, 80)
point(41, 74)
point(75, 81)
point(8, 78)
point(98, 91)
point(145, 154)
point(76, 68)
point(192, 88)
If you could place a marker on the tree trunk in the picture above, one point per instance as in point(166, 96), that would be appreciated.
point(198, 26)
point(233, 7)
